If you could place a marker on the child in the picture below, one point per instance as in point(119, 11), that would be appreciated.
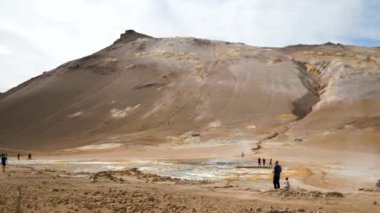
point(287, 184)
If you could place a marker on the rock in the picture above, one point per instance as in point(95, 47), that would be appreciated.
point(54, 190)
point(366, 190)
point(96, 193)
point(334, 194)
point(228, 186)
point(274, 210)
point(315, 194)
point(375, 203)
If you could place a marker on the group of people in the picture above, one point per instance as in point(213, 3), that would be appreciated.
point(277, 169)
point(29, 156)
point(262, 162)
point(4, 159)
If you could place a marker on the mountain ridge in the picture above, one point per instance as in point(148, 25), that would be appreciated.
point(145, 90)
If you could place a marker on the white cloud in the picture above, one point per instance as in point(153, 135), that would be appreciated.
point(4, 50)
point(46, 33)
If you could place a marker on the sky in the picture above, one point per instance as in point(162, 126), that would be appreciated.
point(39, 35)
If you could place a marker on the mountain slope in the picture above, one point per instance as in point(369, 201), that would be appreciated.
point(145, 90)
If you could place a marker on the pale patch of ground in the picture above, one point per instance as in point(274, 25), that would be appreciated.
point(103, 146)
point(251, 127)
point(76, 114)
point(215, 124)
point(121, 113)
point(197, 143)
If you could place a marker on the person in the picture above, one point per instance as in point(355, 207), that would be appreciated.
point(270, 162)
point(276, 175)
point(259, 162)
point(242, 155)
point(287, 184)
point(30, 156)
point(4, 161)
point(378, 183)
point(264, 162)
point(18, 156)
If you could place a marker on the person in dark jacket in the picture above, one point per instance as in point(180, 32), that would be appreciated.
point(264, 162)
point(4, 161)
point(259, 162)
point(276, 175)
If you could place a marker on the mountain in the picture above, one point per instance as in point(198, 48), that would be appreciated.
point(146, 90)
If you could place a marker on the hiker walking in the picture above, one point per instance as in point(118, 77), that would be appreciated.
point(4, 161)
point(264, 162)
point(18, 156)
point(30, 156)
point(270, 162)
point(259, 162)
point(242, 155)
point(276, 175)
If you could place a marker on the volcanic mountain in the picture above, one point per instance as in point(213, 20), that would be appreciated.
point(146, 90)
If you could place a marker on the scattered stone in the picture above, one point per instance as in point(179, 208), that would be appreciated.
point(96, 193)
point(196, 134)
point(366, 190)
point(151, 199)
point(334, 194)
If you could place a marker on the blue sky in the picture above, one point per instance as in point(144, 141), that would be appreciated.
point(39, 35)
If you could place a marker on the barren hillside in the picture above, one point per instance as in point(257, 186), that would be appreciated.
point(145, 90)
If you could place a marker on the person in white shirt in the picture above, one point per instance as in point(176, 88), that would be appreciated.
point(287, 184)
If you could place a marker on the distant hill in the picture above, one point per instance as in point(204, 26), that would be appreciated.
point(145, 90)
